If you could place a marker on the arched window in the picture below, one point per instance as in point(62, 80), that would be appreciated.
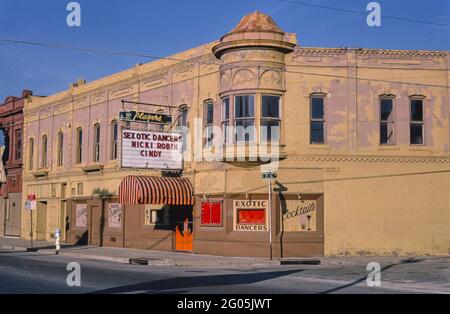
point(60, 152)
point(114, 139)
point(30, 154)
point(79, 151)
point(209, 122)
point(97, 142)
point(18, 141)
point(44, 151)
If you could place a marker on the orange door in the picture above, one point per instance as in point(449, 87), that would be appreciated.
point(184, 235)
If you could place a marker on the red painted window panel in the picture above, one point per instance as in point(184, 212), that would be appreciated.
point(251, 216)
point(211, 213)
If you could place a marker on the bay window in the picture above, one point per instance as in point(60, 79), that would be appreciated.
point(270, 118)
point(244, 115)
point(225, 119)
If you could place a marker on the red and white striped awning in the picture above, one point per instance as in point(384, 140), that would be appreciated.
point(156, 190)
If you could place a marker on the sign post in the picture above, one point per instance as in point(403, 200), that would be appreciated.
point(270, 176)
point(31, 205)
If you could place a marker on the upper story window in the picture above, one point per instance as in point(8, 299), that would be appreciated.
point(317, 120)
point(226, 119)
point(31, 154)
point(387, 121)
point(416, 122)
point(244, 115)
point(60, 149)
point(183, 117)
point(270, 118)
point(18, 148)
point(44, 151)
point(209, 123)
point(79, 151)
point(97, 142)
point(114, 139)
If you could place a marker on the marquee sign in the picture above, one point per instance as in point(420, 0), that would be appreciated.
point(137, 116)
point(152, 150)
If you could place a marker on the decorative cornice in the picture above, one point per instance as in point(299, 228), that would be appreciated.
point(317, 51)
point(370, 159)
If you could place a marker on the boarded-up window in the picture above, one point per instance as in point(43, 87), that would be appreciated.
point(212, 213)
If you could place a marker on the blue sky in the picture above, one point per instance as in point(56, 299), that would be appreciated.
point(162, 27)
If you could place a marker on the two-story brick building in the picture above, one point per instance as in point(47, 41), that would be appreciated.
point(11, 123)
point(362, 137)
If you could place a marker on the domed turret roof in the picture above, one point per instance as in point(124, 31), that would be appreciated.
point(257, 22)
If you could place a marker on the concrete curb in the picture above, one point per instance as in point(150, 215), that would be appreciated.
point(154, 261)
point(122, 260)
point(19, 249)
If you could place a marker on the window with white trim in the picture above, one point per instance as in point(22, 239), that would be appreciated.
point(387, 121)
point(244, 118)
point(270, 118)
point(416, 122)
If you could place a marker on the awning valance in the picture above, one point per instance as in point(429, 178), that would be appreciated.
point(156, 190)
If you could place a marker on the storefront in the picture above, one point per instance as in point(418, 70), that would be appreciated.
point(238, 225)
point(150, 213)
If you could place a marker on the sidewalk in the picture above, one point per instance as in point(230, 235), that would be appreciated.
point(144, 257)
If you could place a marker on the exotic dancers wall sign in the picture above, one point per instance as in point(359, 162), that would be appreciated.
point(299, 216)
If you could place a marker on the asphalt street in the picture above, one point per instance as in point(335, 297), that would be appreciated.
point(22, 272)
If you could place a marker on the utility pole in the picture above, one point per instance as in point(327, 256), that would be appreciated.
point(270, 217)
point(270, 176)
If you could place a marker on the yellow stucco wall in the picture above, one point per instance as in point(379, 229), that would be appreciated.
point(378, 200)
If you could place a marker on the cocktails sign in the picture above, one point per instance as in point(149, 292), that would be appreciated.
point(299, 216)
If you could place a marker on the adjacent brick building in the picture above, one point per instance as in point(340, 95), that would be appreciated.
point(11, 124)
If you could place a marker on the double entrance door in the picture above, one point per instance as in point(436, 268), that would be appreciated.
point(182, 217)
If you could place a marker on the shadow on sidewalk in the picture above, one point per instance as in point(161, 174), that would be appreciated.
point(182, 284)
point(362, 279)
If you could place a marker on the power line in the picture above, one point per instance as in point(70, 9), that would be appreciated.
point(391, 17)
point(95, 50)
point(121, 53)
